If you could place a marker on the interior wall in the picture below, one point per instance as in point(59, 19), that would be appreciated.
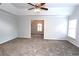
point(24, 27)
point(34, 24)
point(8, 29)
point(55, 27)
point(75, 15)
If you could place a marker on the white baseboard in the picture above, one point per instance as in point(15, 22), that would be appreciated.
point(65, 38)
point(73, 41)
point(6, 40)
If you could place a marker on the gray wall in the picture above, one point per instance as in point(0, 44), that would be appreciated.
point(75, 15)
point(55, 27)
point(11, 26)
point(8, 27)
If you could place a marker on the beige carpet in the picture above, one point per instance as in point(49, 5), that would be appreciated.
point(38, 47)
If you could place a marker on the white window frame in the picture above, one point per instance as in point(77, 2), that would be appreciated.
point(71, 29)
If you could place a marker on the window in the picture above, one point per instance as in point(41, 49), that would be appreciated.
point(72, 28)
point(39, 27)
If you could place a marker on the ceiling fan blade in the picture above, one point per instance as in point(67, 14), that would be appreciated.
point(44, 8)
point(31, 4)
point(30, 8)
point(42, 4)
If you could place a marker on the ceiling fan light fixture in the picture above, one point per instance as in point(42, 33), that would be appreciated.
point(37, 10)
point(38, 7)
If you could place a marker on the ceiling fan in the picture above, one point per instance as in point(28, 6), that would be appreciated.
point(39, 6)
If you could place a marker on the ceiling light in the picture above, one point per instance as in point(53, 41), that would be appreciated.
point(37, 10)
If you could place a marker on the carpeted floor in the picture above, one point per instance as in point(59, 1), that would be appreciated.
point(38, 47)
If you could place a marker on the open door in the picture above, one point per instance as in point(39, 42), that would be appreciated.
point(37, 29)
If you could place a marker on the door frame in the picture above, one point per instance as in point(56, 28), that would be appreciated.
point(43, 26)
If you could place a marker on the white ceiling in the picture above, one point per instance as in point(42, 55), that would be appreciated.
point(53, 9)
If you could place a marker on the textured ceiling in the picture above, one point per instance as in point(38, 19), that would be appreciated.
point(53, 9)
point(49, 5)
point(21, 5)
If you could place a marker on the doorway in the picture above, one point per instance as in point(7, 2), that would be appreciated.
point(37, 29)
